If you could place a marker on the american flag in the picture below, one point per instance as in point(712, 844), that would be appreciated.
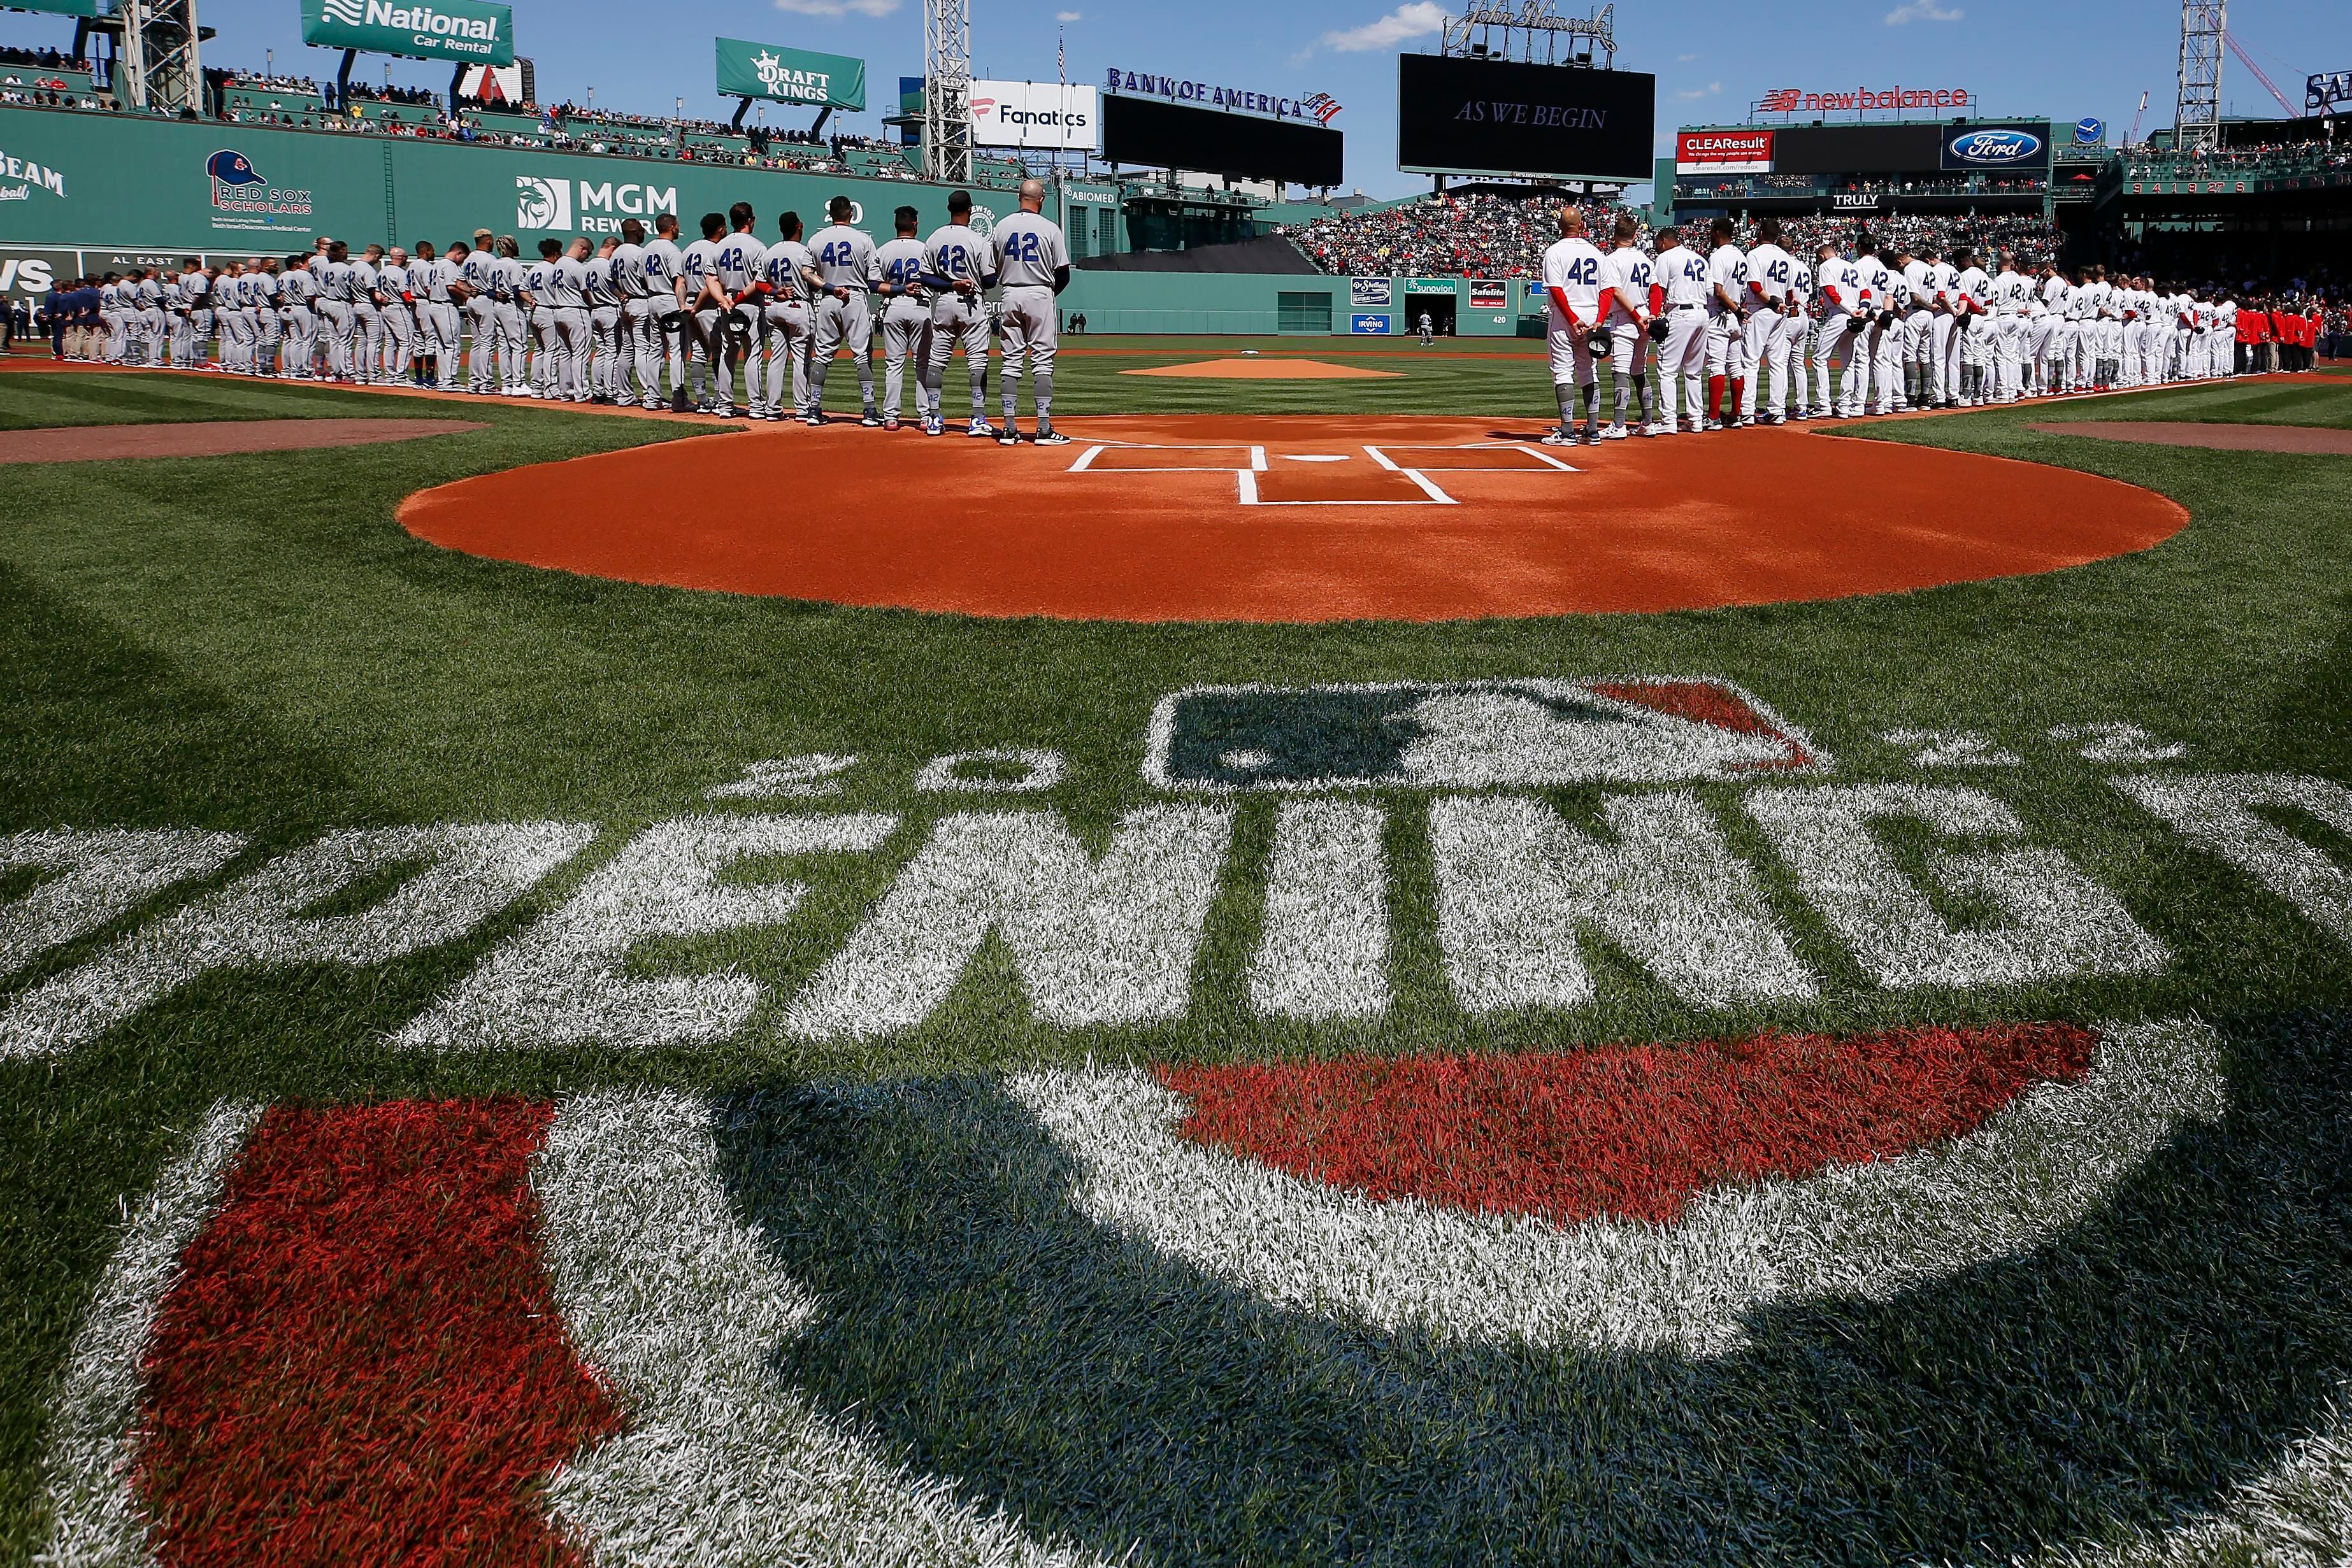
point(1324, 107)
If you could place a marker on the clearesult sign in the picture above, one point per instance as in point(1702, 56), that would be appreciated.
point(1722, 152)
point(791, 76)
point(472, 31)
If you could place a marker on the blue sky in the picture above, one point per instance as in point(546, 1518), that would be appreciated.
point(1712, 57)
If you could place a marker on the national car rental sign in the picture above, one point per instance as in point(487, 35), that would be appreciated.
point(471, 31)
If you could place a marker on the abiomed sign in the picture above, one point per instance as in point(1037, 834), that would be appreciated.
point(466, 30)
point(791, 76)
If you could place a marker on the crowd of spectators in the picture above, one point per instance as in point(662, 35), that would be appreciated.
point(2144, 163)
point(1489, 235)
point(44, 60)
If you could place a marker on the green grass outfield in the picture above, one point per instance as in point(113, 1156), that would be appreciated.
point(251, 642)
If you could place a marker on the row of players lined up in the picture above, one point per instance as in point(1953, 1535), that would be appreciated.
point(1909, 331)
point(602, 324)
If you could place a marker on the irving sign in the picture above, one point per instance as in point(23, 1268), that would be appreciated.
point(791, 76)
point(468, 31)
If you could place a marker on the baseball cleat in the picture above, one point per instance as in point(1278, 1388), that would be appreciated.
point(871, 420)
point(934, 428)
point(1559, 438)
point(1048, 436)
point(1613, 432)
point(1712, 425)
point(890, 422)
point(981, 430)
point(1657, 427)
point(814, 420)
point(1009, 436)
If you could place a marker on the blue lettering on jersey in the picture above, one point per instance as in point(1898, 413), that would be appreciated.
point(1585, 272)
point(839, 253)
point(1642, 275)
point(1022, 248)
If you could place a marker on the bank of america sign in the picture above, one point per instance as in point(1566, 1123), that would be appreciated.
point(468, 30)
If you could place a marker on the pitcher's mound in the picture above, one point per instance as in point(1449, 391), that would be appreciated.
point(1266, 371)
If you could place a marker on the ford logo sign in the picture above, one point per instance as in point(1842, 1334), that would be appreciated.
point(1996, 146)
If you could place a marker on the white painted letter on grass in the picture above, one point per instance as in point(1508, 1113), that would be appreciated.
point(563, 981)
point(1108, 941)
point(464, 874)
point(2215, 812)
point(95, 878)
point(1517, 885)
point(1325, 951)
point(2057, 923)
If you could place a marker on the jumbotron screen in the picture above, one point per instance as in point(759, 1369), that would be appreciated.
point(1150, 134)
point(1500, 117)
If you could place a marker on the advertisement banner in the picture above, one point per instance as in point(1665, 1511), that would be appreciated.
point(1990, 149)
point(1369, 326)
point(27, 275)
point(469, 31)
point(1722, 152)
point(1489, 296)
point(56, 7)
point(791, 76)
point(2327, 90)
point(1036, 117)
point(1502, 116)
point(1370, 293)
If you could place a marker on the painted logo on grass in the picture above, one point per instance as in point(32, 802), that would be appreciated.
point(1471, 735)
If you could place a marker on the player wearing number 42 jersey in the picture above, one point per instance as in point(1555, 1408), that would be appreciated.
point(1033, 263)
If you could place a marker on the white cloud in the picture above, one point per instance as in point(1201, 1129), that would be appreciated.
point(838, 7)
point(1069, 15)
point(1685, 59)
point(1416, 20)
point(1922, 11)
point(1691, 95)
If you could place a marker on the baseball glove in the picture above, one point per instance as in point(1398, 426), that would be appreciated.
point(1596, 340)
point(672, 322)
point(1658, 330)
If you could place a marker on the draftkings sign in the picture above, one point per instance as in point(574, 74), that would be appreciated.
point(791, 76)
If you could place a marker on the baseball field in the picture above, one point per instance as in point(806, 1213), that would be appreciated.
point(1300, 980)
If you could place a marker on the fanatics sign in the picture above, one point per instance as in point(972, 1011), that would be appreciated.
point(1722, 152)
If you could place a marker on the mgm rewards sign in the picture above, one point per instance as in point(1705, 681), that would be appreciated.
point(466, 30)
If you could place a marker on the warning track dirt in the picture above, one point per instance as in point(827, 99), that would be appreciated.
point(1150, 519)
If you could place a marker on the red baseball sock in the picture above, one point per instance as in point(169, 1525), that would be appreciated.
point(1738, 393)
point(1714, 396)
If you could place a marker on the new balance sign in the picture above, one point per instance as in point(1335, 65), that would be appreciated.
point(466, 30)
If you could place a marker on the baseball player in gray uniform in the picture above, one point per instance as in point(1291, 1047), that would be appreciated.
point(514, 323)
point(399, 314)
point(627, 264)
point(1032, 265)
point(845, 267)
point(538, 297)
point(666, 284)
point(479, 272)
point(153, 327)
point(232, 315)
point(298, 303)
point(367, 305)
point(439, 332)
point(196, 289)
point(334, 276)
point(269, 328)
point(956, 269)
point(741, 272)
point(608, 377)
point(567, 299)
point(905, 314)
point(791, 280)
point(705, 305)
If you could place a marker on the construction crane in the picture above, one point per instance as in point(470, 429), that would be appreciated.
point(2247, 61)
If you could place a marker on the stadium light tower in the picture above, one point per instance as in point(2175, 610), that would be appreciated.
point(2204, 30)
point(1484, 32)
point(159, 60)
point(947, 90)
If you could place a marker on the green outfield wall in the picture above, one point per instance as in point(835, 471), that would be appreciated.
point(85, 193)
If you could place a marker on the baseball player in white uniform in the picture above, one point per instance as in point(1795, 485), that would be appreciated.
point(2012, 300)
point(2050, 332)
point(1571, 277)
point(1626, 277)
point(1841, 299)
point(1796, 325)
point(1033, 266)
point(906, 313)
point(1894, 339)
point(845, 267)
point(1972, 301)
point(1765, 346)
point(1682, 347)
point(793, 280)
point(1726, 337)
point(741, 272)
point(1867, 394)
point(958, 269)
point(1919, 327)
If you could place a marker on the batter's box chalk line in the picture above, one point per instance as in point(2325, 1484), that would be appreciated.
point(1414, 472)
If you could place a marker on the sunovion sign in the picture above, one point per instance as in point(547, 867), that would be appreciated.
point(1994, 146)
point(466, 30)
